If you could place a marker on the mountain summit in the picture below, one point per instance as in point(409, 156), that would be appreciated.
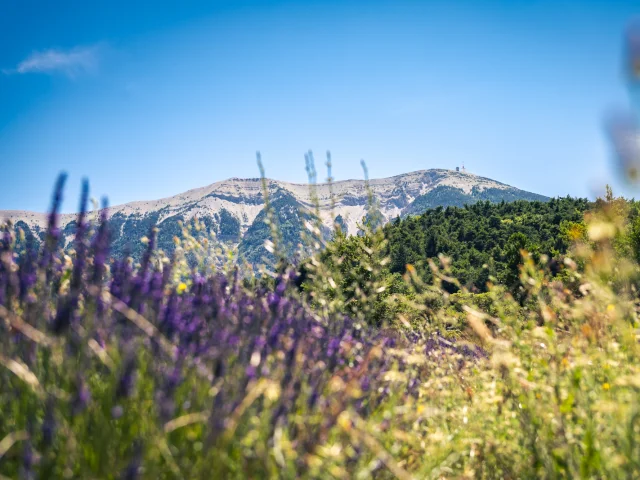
point(234, 209)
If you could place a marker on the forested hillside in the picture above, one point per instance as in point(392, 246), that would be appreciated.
point(484, 240)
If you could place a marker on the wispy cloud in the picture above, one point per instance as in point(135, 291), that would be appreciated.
point(70, 62)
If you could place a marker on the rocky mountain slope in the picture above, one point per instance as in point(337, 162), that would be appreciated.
point(234, 209)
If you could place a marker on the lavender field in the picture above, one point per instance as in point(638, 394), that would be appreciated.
point(170, 369)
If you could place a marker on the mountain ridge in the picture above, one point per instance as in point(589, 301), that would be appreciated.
point(230, 207)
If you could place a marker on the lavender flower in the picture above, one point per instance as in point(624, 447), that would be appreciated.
point(27, 270)
point(126, 381)
point(132, 471)
point(64, 315)
point(48, 423)
point(80, 245)
point(26, 469)
point(81, 396)
point(100, 246)
point(53, 233)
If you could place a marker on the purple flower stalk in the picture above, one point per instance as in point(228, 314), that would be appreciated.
point(126, 381)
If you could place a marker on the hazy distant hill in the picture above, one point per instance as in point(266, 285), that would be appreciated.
point(234, 209)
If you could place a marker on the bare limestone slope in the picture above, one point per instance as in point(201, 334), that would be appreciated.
point(234, 209)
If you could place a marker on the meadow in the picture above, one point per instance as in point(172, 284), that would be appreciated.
point(331, 366)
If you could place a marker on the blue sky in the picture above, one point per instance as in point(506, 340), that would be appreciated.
point(151, 98)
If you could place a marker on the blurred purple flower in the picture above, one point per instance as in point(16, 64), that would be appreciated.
point(53, 233)
point(64, 315)
point(132, 471)
point(81, 396)
point(26, 469)
point(100, 247)
point(48, 423)
point(117, 412)
point(624, 134)
point(632, 46)
point(127, 379)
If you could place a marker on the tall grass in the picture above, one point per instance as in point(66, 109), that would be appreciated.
point(166, 370)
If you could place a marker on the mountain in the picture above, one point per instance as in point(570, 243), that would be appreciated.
point(234, 209)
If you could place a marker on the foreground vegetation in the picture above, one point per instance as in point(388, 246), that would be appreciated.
point(351, 366)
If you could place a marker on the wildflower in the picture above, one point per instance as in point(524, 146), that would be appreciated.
point(345, 422)
point(53, 233)
point(606, 386)
point(127, 378)
point(78, 264)
point(27, 270)
point(64, 315)
point(313, 398)
point(624, 136)
point(182, 287)
point(250, 371)
point(219, 370)
point(146, 258)
point(133, 468)
point(81, 396)
point(48, 423)
point(100, 247)
point(26, 469)
point(274, 300)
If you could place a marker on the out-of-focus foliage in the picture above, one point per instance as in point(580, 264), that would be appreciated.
point(191, 367)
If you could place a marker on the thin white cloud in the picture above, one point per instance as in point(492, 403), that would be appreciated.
point(71, 62)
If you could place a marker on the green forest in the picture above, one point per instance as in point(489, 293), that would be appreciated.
point(484, 240)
